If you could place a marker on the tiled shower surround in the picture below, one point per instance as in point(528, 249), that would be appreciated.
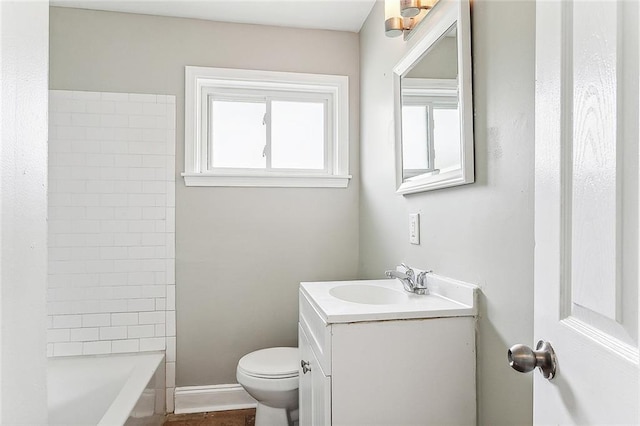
point(111, 224)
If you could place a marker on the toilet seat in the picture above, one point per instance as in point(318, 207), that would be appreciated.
point(271, 363)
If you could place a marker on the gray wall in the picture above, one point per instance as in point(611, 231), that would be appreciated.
point(240, 252)
point(440, 62)
point(480, 233)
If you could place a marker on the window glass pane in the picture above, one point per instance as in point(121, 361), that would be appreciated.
point(446, 138)
point(238, 134)
point(297, 130)
point(414, 138)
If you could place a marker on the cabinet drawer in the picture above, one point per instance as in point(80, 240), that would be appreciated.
point(318, 333)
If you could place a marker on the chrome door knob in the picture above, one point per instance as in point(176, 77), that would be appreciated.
point(524, 359)
point(305, 366)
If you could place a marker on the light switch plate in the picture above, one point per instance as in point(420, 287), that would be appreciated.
point(414, 228)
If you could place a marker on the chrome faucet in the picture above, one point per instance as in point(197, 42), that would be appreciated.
point(410, 281)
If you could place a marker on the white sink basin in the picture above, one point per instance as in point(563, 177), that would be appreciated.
point(376, 300)
point(367, 294)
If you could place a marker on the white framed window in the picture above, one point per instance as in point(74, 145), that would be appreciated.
point(265, 128)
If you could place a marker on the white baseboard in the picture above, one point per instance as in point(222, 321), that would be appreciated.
point(200, 399)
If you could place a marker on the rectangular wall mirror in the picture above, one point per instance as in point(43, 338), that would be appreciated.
point(433, 103)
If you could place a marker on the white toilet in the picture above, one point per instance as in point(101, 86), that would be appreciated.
point(271, 377)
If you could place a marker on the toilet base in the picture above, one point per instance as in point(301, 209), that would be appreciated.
point(270, 416)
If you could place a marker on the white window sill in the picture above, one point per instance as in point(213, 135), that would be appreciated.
point(267, 181)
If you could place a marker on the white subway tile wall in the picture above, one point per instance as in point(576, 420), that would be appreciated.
point(111, 224)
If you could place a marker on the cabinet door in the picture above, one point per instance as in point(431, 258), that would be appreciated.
point(314, 387)
point(320, 395)
point(305, 386)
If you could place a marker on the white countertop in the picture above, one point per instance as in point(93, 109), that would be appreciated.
point(448, 298)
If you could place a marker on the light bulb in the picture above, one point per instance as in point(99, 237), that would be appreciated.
point(391, 9)
point(409, 8)
point(393, 23)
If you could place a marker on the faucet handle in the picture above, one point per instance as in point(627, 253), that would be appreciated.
point(407, 270)
point(421, 278)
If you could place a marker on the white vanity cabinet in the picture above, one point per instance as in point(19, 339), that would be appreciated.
point(386, 364)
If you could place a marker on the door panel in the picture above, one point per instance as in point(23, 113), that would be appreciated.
point(315, 387)
point(586, 218)
point(321, 399)
point(305, 404)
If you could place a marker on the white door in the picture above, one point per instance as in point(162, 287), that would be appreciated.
point(586, 210)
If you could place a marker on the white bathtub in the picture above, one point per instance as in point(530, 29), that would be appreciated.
point(106, 390)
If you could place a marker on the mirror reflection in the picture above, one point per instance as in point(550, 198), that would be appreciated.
point(431, 141)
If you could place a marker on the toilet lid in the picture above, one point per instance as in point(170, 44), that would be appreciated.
point(270, 363)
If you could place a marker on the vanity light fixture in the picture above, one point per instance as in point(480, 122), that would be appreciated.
point(401, 16)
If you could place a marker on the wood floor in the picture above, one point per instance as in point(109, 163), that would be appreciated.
point(216, 418)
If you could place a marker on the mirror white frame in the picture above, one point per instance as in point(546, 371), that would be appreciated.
point(446, 14)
